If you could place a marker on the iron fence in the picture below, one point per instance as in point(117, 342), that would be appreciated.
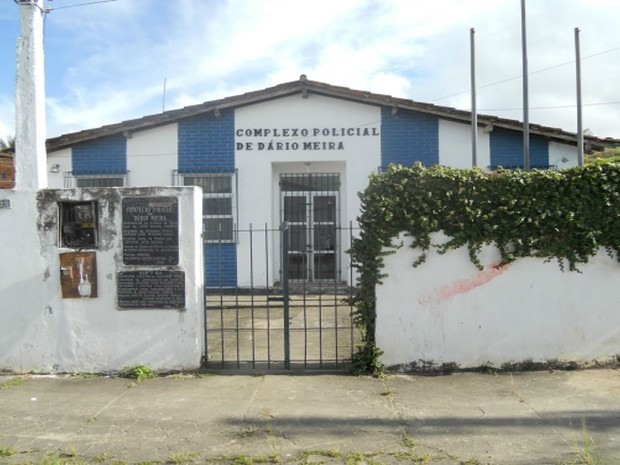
point(273, 317)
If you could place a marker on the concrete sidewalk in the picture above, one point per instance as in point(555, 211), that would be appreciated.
point(522, 418)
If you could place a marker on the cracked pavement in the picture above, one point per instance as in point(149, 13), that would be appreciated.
point(520, 418)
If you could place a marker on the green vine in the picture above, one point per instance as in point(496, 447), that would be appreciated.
point(565, 216)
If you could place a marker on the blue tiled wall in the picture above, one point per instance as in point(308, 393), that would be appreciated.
point(507, 149)
point(409, 137)
point(100, 156)
point(207, 145)
point(220, 265)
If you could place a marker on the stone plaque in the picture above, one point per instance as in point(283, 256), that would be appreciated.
point(150, 231)
point(151, 289)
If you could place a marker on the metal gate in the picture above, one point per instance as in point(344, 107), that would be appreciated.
point(275, 318)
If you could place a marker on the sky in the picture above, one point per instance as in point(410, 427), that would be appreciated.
point(109, 62)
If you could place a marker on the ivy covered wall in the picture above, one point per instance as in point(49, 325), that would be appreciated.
point(566, 216)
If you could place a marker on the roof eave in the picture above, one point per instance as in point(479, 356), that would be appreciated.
point(305, 86)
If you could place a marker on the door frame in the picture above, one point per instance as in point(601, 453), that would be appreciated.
point(309, 221)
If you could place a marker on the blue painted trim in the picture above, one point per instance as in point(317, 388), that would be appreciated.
point(507, 149)
point(100, 156)
point(409, 137)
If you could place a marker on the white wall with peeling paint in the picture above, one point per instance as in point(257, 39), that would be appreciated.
point(42, 332)
point(448, 311)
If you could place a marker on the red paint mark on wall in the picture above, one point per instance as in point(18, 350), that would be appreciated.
point(463, 286)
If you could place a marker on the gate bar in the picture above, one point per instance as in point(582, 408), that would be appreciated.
point(285, 296)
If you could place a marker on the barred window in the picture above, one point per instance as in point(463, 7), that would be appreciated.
point(217, 204)
point(94, 179)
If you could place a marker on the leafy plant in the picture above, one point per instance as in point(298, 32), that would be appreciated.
point(367, 360)
point(138, 372)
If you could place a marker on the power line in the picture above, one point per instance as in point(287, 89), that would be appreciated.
point(79, 4)
point(552, 107)
point(530, 73)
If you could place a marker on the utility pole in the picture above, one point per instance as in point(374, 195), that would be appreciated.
point(474, 110)
point(30, 132)
point(526, 112)
point(579, 104)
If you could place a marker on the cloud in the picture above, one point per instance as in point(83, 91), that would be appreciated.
point(107, 62)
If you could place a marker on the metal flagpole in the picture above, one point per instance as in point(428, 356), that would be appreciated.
point(526, 113)
point(474, 111)
point(579, 104)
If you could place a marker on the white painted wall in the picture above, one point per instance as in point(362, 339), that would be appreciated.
point(25, 287)
point(259, 170)
point(42, 332)
point(152, 155)
point(62, 158)
point(455, 145)
point(562, 155)
point(447, 311)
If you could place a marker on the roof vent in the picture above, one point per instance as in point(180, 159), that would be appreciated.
point(303, 78)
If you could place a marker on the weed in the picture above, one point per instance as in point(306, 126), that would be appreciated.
point(333, 454)
point(138, 372)
point(13, 382)
point(248, 432)
point(72, 452)
point(148, 462)
point(367, 360)
point(355, 458)
point(101, 458)
point(588, 455)
point(7, 451)
point(410, 457)
point(53, 459)
point(182, 457)
point(408, 442)
point(241, 460)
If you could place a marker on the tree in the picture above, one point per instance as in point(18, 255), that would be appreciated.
point(7, 145)
point(606, 156)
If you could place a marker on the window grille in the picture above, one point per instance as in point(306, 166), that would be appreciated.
point(219, 202)
point(82, 180)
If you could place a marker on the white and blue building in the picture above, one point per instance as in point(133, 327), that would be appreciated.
point(298, 152)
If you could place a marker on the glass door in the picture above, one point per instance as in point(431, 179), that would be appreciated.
point(310, 207)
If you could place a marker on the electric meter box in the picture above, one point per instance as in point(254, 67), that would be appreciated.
point(78, 225)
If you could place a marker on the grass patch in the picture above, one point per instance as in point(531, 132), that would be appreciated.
point(180, 458)
point(241, 460)
point(7, 451)
point(13, 382)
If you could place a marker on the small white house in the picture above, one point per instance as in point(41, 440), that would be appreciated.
point(300, 153)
